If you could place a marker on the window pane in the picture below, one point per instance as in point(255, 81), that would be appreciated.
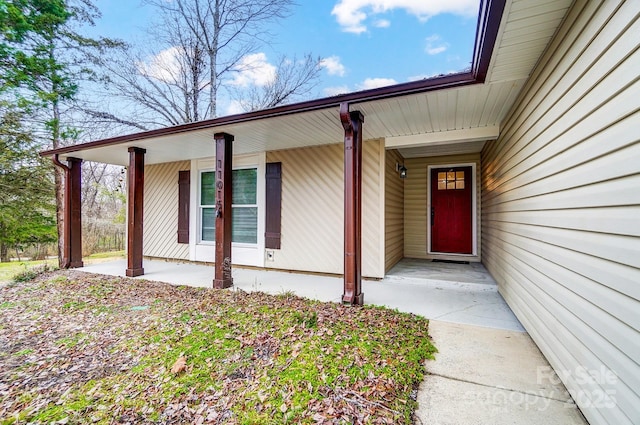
point(451, 185)
point(208, 188)
point(451, 176)
point(459, 175)
point(460, 184)
point(208, 224)
point(442, 185)
point(244, 227)
point(244, 186)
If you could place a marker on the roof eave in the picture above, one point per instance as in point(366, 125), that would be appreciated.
point(489, 18)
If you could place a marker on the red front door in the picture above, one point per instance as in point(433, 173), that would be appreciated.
point(451, 224)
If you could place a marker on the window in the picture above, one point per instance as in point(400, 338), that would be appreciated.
point(451, 180)
point(244, 208)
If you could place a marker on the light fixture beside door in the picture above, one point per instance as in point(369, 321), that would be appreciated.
point(402, 170)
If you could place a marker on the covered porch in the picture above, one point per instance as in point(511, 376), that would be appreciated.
point(456, 293)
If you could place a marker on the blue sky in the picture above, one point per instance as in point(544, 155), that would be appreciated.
point(363, 43)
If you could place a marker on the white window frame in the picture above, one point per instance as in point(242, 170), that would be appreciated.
point(251, 254)
point(201, 207)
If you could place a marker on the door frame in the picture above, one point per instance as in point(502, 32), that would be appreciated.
point(474, 208)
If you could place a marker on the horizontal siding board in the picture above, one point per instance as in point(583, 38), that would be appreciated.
point(618, 140)
point(583, 122)
point(595, 331)
point(614, 276)
point(621, 191)
point(622, 249)
point(565, 351)
point(621, 163)
point(583, 119)
point(614, 220)
point(530, 109)
point(569, 271)
point(561, 205)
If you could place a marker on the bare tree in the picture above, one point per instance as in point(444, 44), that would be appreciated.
point(291, 79)
point(158, 92)
point(227, 29)
point(199, 47)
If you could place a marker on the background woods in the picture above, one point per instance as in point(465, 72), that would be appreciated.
point(59, 86)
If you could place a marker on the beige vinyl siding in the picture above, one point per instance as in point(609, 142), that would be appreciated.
point(393, 210)
point(160, 230)
point(416, 218)
point(313, 209)
point(561, 208)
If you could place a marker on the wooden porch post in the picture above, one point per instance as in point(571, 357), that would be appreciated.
point(135, 210)
point(352, 123)
point(73, 212)
point(224, 154)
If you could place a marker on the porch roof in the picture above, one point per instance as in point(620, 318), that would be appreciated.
point(464, 109)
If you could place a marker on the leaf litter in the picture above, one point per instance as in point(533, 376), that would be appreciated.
point(80, 348)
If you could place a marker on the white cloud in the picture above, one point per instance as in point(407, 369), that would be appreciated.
point(382, 23)
point(334, 91)
point(254, 70)
point(234, 107)
point(351, 14)
point(333, 65)
point(164, 66)
point(435, 45)
point(374, 83)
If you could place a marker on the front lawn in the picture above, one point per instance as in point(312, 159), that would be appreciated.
point(12, 268)
point(84, 348)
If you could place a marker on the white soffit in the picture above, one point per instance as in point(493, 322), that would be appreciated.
point(443, 137)
point(443, 149)
point(525, 32)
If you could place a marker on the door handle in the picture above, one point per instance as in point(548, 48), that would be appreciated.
point(433, 216)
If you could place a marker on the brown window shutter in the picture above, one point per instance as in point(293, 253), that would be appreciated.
point(184, 183)
point(274, 204)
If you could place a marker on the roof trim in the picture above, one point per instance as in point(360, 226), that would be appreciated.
point(489, 17)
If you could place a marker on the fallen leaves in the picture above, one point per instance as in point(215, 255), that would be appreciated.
point(179, 366)
point(82, 348)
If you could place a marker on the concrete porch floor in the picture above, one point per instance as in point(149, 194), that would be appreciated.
point(487, 369)
point(457, 293)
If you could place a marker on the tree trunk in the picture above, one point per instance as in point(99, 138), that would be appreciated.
point(59, 173)
point(59, 188)
point(213, 62)
point(4, 253)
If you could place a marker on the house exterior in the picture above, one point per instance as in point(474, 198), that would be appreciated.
point(530, 163)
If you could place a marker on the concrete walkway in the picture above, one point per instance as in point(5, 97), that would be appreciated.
point(484, 376)
point(487, 369)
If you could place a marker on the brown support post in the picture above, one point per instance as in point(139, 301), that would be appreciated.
point(352, 123)
point(72, 217)
point(135, 210)
point(73, 205)
point(224, 154)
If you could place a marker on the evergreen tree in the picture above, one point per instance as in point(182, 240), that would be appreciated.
point(42, 59)
point(26, 187)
